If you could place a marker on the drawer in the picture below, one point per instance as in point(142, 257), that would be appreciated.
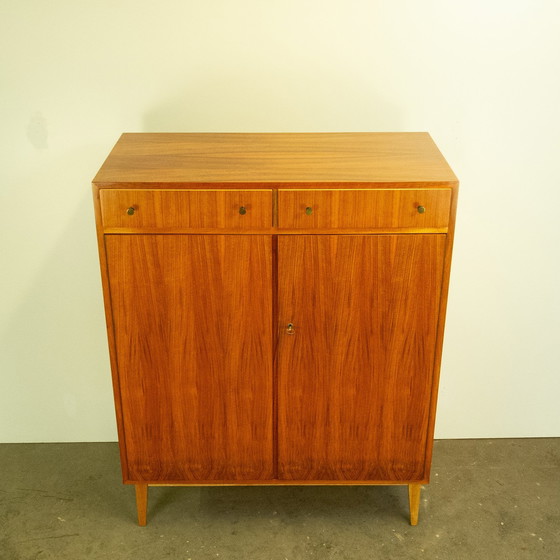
point(139, 209)
point(364, 208)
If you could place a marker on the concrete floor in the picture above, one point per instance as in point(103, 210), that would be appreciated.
point(488, 499)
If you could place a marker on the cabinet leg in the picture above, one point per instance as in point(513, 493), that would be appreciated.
point(142, 503)
point(414, 502)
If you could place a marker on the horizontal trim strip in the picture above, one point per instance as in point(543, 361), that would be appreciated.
point(277, 482)
point(272, 231)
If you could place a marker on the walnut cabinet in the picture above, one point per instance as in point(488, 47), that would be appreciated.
point(275, 306)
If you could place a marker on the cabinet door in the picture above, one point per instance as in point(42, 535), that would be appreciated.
point(193, 336)
point(355, 377)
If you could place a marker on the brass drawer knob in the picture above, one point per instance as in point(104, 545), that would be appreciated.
point(309, 210)
point(421, 209)
point(243, 210)
point(130, 211)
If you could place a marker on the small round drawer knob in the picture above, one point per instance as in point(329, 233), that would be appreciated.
point(309, 210)
point(130, 211)
point(421, 209)
point(243, 210)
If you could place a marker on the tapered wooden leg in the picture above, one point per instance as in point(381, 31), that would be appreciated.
point(142, 503)
point(414, 502)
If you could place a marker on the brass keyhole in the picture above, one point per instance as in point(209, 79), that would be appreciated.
point(290, 329)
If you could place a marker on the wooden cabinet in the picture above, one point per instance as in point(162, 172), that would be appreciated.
point(275, 306)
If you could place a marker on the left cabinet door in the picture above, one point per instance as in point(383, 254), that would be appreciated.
point(192, 317)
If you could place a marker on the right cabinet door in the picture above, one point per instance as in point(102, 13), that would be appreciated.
point(355, 372)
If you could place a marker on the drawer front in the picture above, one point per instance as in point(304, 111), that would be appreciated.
point(364, 209)
point(135, 209)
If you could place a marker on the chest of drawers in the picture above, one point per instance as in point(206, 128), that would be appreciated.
point(275, 306)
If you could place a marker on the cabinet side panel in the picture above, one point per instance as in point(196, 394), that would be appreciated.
point(192, 317)
point(355, 378)
point(110, 329)
point(441, 328)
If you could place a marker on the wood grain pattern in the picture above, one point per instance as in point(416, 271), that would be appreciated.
point(354, 382)
point(197, 298)
point(186, 209)
point(359, 208)
point(192, 317)
point(253, 160)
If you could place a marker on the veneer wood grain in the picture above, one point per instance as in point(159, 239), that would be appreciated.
point(192, 320)
point(275, 306)
point(354, 380)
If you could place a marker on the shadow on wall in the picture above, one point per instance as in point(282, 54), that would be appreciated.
point(232, 103)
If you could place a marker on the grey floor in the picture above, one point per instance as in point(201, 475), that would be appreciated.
point(488, 499)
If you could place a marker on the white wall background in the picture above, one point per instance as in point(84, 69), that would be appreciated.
point(483, 77)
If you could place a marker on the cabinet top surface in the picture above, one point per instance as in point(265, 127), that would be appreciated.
point(273, 159)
